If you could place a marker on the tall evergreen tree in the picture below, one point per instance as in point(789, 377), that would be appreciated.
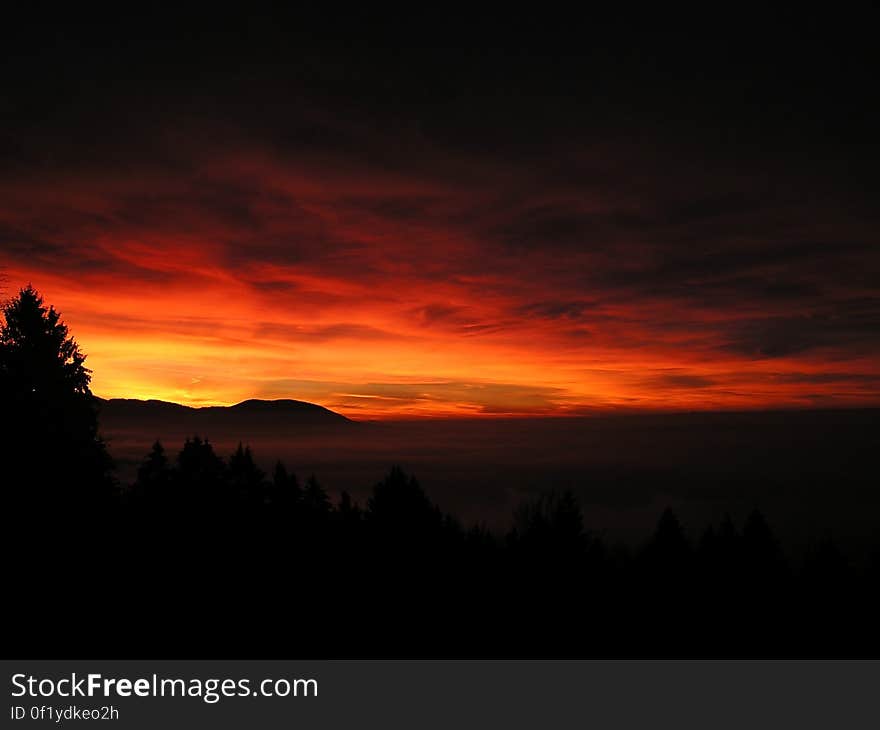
point(399, 503)
point(285, 493)
point(154, 475)
point(245, 477)
point(315, 500)
point(54, 456)
point(201, 474)
point(553, 522)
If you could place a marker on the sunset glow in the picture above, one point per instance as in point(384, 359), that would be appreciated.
point(400, 228)
point(381, 293)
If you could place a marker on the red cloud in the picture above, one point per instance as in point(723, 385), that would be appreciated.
point(235, 273)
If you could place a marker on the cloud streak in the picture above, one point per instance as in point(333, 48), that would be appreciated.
point(396, 275)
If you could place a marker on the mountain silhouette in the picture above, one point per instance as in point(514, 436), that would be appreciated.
point(248, 416)
point(285, 406)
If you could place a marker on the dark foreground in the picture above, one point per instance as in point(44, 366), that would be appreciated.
point(809, 472)
point(192, 554)
point(212, 558)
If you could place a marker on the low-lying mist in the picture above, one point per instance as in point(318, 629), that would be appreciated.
point(809, 471)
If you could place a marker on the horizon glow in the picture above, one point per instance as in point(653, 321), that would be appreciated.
point(471, 289)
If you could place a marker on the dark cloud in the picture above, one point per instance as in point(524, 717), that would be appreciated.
point(828, 377)
point(461, 319)
point(275, 286)
point(321, 333)
point(850, 325)
point(555, 309)
point(679, 380)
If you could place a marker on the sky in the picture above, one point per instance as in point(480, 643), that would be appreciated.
point(468, 220)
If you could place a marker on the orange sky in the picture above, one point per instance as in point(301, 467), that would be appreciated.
point(476, 289)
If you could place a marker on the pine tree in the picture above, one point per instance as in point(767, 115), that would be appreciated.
point(315, 499)
point(54, 456)
point(246, 478)
point(201, 474)
point(154, 475)
point(286, 494)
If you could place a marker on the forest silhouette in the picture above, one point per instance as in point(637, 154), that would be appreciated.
point(210, 556)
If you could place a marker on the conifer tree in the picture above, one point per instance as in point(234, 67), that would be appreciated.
point(55, 457)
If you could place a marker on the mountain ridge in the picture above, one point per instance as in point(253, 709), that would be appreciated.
point(252, 408)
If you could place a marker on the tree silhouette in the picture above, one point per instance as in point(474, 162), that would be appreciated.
point(669, 541)
point(668, 558)
point(315, 500)
point(154, 476)
point(399, 511)
point(39, 356)
point(399, 499)
point(245, 478)
point(285, 493)
point(762, 555)
point(50, 419)
point(56, 475)
point(553, 523)
point(201, 474)
point(348, 511)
